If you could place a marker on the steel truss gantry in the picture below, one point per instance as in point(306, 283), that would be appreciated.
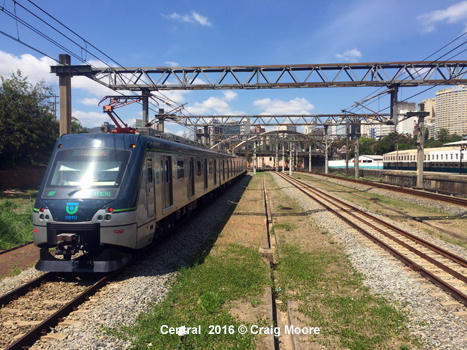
point(402, 74)
point(295, 120)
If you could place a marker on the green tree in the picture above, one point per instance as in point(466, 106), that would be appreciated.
point(76, 127)
point(442, 135)
point(28, 129)
point(368, 146)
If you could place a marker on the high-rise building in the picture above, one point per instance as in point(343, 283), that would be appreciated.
point(429, 105)
point(451, 110)
point(286, 127)
point(406, 106)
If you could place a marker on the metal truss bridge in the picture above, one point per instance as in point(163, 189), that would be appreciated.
point(295, 120)
point(402, 74)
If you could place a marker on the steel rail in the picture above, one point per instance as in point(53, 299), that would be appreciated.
point(352, 210)
point(429, 245)
point(405, 190)
point(458, 295)
point(35, 333)
point(20, 291)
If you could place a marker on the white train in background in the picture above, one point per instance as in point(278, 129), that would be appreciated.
point(441, 159)
point(364, 162)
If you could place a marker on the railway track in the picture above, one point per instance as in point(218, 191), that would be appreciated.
point(30, 311)
point(419, 193)
point(443, 268)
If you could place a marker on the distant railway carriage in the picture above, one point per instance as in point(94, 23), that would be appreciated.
point(108, 195)
point(442, 159)
point(371, 162)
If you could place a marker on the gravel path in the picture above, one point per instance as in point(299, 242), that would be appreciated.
point(435, 324)
point(149, 280)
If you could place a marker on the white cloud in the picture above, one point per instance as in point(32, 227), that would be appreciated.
point(91, 86)
point(230, 95)
point(453, 14)
point(352, 55)
point(296, 106)
point(31, 67)
point(215, 105)
point(171, 64)
point(194, 18)
point(91, 119)
point(89, 101)
point(201, 19)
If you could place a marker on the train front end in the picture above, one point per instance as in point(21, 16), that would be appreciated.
point(82, 218)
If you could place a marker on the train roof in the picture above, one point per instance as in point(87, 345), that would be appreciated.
point(123, 140)
point(426, 150)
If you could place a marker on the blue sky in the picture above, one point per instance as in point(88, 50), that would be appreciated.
point(219, 33)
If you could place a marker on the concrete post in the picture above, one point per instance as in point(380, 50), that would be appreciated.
point(420, 151)
point(277, 155)
point(64, 82)
point(290, 159)
point(394, 116)
point(160, 125)
point(309, 158)
point(254, 157)
point(206, 135)
point(283, 156)
point(145, 94)
point(326, 169)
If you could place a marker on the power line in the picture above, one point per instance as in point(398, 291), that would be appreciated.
point(452, 41)
point(82, 48)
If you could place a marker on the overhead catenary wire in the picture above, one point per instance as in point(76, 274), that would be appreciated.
point(425, 59)
point(82, 48)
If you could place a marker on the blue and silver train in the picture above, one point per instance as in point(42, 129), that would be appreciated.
point(105, 196)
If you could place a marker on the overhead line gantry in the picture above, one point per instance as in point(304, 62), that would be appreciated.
point(392, 75)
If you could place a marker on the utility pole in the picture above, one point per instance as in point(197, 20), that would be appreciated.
point(64, 82)
point(357, 152)
point(326, 170)
point(420, 144)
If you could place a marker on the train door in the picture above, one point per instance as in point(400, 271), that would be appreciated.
point(205, 173)
point(166, 181)
point(223, 169)
point(215, 172)
point(191, 178)
point(150, 185)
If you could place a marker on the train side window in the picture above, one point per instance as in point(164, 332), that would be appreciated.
point(167, 171)
point(198, 165)
point(180, 169)
point(149, 166)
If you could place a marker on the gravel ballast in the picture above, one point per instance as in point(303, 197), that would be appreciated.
point(436, 325)
point(146, 281)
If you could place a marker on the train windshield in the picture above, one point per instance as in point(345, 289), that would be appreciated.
point(86, 173)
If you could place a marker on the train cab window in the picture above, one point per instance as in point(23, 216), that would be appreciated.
point(87, 173)
point(180, 169)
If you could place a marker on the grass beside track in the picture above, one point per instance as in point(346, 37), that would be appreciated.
point(15, 221)
point(203, 294)
point(314, 271)
point(332, 296)
point(198, 298)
